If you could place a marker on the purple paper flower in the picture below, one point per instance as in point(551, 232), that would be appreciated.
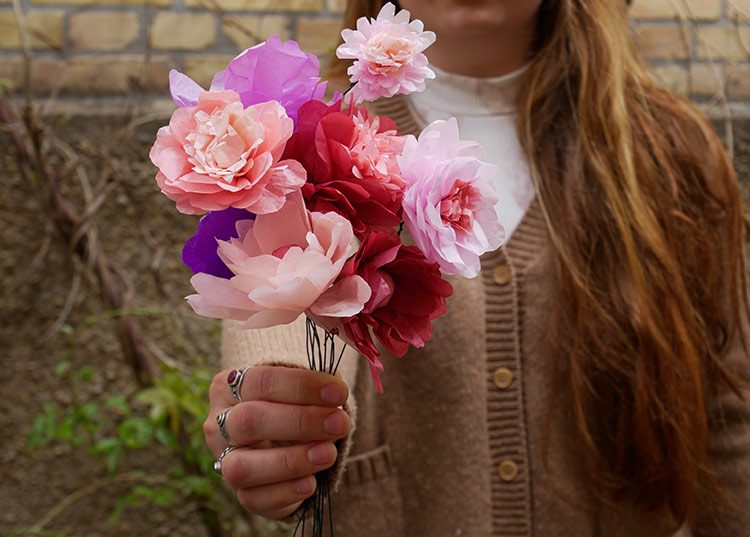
point(270, 71)
point(200, 250)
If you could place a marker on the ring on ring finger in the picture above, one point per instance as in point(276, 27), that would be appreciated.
point(220, 460)
point(221, 421)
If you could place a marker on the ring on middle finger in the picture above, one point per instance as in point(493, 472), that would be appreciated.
point(221, 421)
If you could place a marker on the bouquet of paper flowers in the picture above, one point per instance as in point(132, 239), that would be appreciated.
point(304, 201)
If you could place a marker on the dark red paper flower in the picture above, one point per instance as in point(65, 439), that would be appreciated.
point(350, 158)
point(408, 293)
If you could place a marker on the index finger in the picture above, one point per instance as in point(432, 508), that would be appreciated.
point(278, 384)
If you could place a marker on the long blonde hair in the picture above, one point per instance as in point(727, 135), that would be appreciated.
point(644, 213)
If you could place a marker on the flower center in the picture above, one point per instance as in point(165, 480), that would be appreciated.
point(216, 148)
point(458, 207)
point(387, 54)
point(280, 252)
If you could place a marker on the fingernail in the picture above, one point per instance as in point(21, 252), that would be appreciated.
point(321, 454)
point(304, 485)
point(333, 394)
point(335, 424)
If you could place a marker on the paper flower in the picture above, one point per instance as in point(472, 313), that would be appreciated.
point(284, 264)
point(350, 158)
point(407, 294)
point(270, 71)
point(200, 250)
point(388, 55)
point(219, 154)
point(449, 199)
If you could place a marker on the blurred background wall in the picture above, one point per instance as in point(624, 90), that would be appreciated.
point(84, 47)
point(103, 368)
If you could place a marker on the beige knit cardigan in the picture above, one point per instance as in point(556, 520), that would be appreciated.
point(455, 445)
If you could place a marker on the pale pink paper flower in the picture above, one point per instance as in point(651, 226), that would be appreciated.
point(219, 154)
point(449, 199)
point(374, 151)
point(388, 55)
point(284, 264)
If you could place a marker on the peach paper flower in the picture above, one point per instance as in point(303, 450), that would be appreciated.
point(219, 154)
point(284, 264)
point(388, 55)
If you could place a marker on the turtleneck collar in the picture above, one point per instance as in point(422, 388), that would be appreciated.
point(461, 96)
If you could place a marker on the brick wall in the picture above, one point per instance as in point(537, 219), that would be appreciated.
point(82, 47)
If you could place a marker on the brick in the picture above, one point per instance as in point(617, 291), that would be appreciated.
point(103, 30)
point(336, 6)
point(738, 84)
point(739, 8)
point(183, 31)
point(673, 77)
point(313, 6)
point(46, 73)
point(663, 41)
point(101, 3)
point(674, 9)
point(319, 36)
point(247, 30)
point(45, 29)
point(723, 42)
point(108, 74)
point(707, 79)
point(203, 67)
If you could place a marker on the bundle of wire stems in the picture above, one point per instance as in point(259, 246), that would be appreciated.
point(321, 356)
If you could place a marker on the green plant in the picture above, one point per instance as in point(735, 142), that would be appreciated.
point(168, 414)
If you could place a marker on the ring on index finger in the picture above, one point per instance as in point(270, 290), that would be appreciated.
point(234, 380)
point(221, 421)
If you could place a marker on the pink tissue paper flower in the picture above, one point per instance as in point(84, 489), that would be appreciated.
point(284, 264)
point(219, 154)
point(449, 200)
point(388, 55)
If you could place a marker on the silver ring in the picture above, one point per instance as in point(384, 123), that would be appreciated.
point(235, 382)
point(221, 421)
point(217, 464)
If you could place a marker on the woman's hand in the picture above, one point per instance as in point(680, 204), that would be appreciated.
point(284, 432)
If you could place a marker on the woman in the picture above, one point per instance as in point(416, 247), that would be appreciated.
point(591, 381)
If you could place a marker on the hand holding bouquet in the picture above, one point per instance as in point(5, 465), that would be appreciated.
point(304, 200)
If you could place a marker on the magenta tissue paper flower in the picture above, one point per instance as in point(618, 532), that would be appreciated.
point(270, 71)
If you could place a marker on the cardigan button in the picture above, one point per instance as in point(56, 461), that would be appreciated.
point(503, 378)
point(501, 274)
point(508, 470)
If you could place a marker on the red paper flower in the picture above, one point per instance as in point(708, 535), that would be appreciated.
point(408, 293)
point(351, 162)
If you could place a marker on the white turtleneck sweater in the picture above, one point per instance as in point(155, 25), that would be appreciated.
point(485, 111)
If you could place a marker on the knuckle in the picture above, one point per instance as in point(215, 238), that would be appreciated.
point(218, 383)
point(209, 428)
point(289, 460)
point(251, 421)
point(233, 471)
point(300, 420)
point(267, 382)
